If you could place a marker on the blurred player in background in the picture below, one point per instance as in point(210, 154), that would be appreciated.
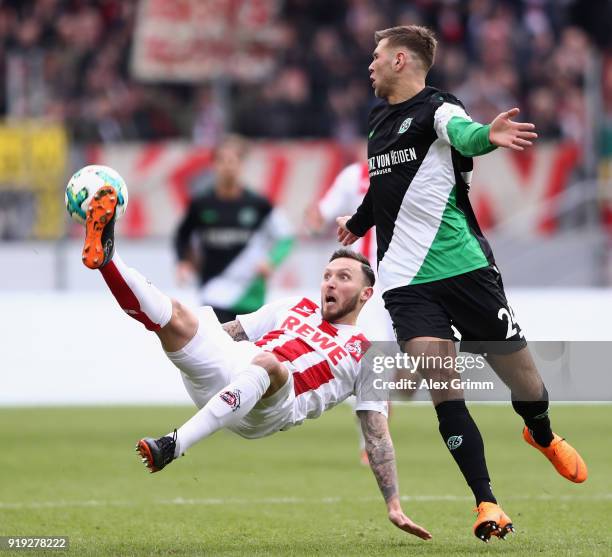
point(436, 268)
point(239, 239)
point(265, 372)
point(342, 198)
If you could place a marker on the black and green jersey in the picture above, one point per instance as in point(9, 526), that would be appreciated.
point(234, 237)
point(420, 166)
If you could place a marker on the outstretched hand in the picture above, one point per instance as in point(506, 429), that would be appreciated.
point(345, 236)
point(513, 135)
point(404, 523)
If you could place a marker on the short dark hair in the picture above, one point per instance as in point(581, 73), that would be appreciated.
point(417, 39)
point(366, 268)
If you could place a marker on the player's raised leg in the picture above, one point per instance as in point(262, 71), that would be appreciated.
point(176, 326)
point(173, 323)
point(262, 378)
point(530, 401)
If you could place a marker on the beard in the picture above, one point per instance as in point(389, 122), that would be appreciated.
point(339, 312)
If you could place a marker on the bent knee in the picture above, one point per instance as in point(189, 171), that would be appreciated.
point(183, 321)
point(276, 370)
point(268, 361)
point(181, 328)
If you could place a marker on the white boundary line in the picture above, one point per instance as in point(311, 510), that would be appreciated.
point(68, 405)
point(179, 501)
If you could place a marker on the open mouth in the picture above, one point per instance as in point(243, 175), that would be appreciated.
point(330, 299)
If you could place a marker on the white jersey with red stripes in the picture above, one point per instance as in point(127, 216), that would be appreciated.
point(323, 358)
point(343, 197)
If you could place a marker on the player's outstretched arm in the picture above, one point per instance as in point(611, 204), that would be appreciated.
point(472, 139)
point(235, 330)
point(504, 132)
point(381, 454)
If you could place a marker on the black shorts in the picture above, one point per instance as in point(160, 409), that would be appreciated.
point(474, 303)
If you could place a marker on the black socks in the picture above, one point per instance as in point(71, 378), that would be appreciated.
point(464, 442)
point(535, 415)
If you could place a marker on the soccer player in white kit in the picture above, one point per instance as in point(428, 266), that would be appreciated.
point(264, 372)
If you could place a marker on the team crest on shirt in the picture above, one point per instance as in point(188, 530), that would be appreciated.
point(231, 398)
point(305, 307)
point(405, 125)
point(247, 216)
point(357, 346)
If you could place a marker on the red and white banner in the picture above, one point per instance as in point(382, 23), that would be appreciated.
point(522, 191)
point(196, 40)
point(160, 177)
point(508, 190)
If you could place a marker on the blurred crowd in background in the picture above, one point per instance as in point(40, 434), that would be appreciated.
point(69, 61)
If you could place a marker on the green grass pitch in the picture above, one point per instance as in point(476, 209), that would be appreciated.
point(73, 472)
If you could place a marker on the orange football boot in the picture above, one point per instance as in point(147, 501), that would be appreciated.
point(100, 228)
point(563, 456)
point(491, 521)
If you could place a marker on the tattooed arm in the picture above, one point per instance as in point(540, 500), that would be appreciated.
point(235, 330)
point(381, 454)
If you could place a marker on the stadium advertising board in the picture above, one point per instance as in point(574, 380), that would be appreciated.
point(173, 41)
point(33, 161)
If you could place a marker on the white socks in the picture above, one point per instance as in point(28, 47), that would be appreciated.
point(136, 295)
point(228, 406)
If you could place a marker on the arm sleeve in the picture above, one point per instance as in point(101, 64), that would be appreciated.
point(453, 125)
point(258, 323)
point(363, 219)
point(183, 234)
point(366, 395)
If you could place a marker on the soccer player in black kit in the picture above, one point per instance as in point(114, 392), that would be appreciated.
point(241, 238)
point(435, 267)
